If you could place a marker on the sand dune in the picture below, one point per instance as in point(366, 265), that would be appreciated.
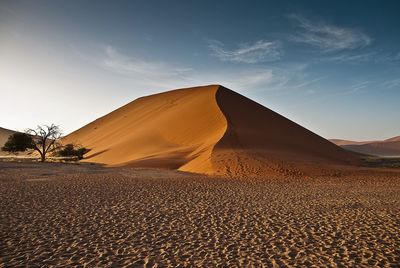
point(388, 147)
point(4, 134)
point(175, 130)
point(397, 138)
point(258, 140)
point(348, 142)
point(210, 130)
point(385, 148)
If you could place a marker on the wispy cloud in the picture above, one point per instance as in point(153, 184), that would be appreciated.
point(394, 83)
point(375, 56)
point(160, 75)
point(120, 63)
point(357, 87)
point(355, 58)
point(327, 37)
point(309, 82)
point(260, 51)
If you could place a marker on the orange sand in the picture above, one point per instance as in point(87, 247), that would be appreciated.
point(210, 130)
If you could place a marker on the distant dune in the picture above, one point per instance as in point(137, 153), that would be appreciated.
point(389, 147)
point(383, 148)
point(4, 134)
point(348, 142)
point(208, 129)
point(397, 138)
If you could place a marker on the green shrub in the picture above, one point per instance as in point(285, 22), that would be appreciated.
point(71, 150)
point(18, 142)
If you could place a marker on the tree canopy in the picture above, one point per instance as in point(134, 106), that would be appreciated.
point(18, 142)
point(45, 139)
point(73, 150)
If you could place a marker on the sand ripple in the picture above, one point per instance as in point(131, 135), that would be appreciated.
point(127, 218)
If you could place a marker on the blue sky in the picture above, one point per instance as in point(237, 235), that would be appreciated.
point(331, 66)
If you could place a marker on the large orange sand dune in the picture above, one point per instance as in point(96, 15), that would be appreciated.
point(208, 129)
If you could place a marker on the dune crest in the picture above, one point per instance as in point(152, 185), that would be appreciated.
point(209, 130)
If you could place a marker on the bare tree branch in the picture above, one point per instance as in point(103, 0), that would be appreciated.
point(46, 139)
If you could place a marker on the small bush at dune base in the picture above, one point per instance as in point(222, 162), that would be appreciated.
point(71, 150)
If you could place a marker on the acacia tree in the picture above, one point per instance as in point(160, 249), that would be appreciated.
point(45, 139)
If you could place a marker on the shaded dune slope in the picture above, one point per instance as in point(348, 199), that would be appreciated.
point(259, 140)
point(210, 130)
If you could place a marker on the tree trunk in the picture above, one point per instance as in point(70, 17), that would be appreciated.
point(42, 157)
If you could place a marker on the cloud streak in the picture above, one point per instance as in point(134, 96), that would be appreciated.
point(160, 75)
point(328, 38)
point(309, 82)
point(260, 51)
point(371, 56)
point(393, 83)
point(120, 63)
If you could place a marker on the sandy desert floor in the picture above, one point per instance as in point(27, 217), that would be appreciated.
point(84, 215)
